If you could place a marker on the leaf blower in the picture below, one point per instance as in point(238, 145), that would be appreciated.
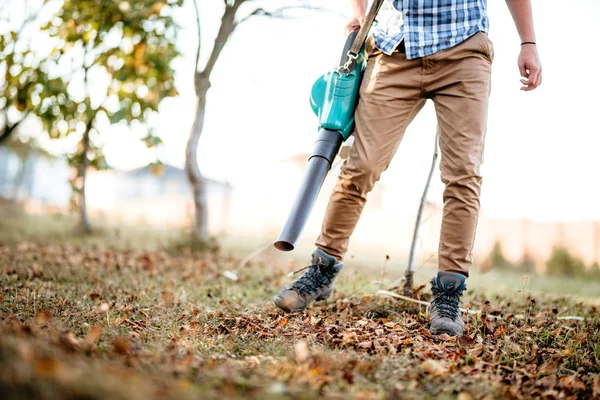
point(333, 98)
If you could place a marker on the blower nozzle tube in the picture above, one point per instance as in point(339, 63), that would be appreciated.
point(326, 148)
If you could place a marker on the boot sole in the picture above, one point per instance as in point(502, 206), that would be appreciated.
point(278, 303)
point(438, 332)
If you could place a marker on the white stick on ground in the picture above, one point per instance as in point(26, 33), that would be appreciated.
point(473, 312)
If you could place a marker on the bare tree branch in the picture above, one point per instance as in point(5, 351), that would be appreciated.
point(279, 12)
point(227, 26)
point(199, 35)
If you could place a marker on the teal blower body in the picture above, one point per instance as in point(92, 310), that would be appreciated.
point(333, 98)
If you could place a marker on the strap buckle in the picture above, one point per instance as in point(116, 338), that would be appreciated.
point(351, 57)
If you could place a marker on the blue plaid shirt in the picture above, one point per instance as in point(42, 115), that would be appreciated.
point(432, 25)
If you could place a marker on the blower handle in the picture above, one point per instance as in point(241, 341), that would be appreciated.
point(346, 52)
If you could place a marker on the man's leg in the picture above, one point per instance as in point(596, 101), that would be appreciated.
point(390, 97)
point(461, 105)
point(460, 88)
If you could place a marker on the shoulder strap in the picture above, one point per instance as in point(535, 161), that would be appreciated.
point(366, 27)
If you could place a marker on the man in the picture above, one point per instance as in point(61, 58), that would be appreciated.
point(441, 52)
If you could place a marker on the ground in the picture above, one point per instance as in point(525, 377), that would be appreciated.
point(105, 317)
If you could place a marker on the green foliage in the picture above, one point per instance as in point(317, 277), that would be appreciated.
point(498, 261)
point(21, 75)
point(594, 271)
point(563, 263)
point(527, 264)
point(496, 257)
point(118, 55)
point(109, 62)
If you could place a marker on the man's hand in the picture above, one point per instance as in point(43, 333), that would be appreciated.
point(355, 22)
point(530, 67)
point(529, 62)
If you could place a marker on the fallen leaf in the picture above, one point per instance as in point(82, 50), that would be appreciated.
point(547, 368)
point(476, 351)
point(571, 382)
point(94, 295)
point(37, 270)
point(302, 351)
point(47, 367)
point(167, 298)
point(365, 345)
point(69, 341)
point(464, 396)
point(433, 367)
point(596, 387)
point(103, 308)
point(349, 337)
point(43, 317)
point(499, 331)
point(121, 346)
point(93, 335)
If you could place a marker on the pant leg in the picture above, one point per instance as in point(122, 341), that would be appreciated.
point(460, 88)
point(390, 97)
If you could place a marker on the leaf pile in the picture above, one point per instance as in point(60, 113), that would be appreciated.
point(97, 323)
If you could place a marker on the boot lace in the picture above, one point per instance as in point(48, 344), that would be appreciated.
point(446, 302)
point(316, 277)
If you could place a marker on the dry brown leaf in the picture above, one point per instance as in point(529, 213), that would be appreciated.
point(366, 344)
point(596, 387)
point(37, 270)
point(349, 337)
point(43, 317)
point(93, 335)
point(69, 341)
point(186, 362)
point(499, 331)
point(433, 367)
point(464, 396)
point(167, 298)
point(445, 336)
point(571, 382)
point(121, 345)
point(302, 351)
point(476, 351)
point(103, 308)
point(46, 367)
point(94, 295)
point(547, 368)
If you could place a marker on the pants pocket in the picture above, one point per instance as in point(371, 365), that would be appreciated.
point(487, 46)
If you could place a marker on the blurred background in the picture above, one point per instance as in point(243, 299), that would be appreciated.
point(119, 115)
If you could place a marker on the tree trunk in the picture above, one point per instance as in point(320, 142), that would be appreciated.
point(20, 178)
point(197, 182)
point(84, 221)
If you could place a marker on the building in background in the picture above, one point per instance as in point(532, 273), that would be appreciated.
point(160, 197)
point(28, 174)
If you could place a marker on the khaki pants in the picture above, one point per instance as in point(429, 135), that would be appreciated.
point(393, 91)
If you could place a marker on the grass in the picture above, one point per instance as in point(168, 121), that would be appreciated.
point(101, 317)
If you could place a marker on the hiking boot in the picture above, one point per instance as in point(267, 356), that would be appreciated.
point(314, 285)
point(447, 289)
